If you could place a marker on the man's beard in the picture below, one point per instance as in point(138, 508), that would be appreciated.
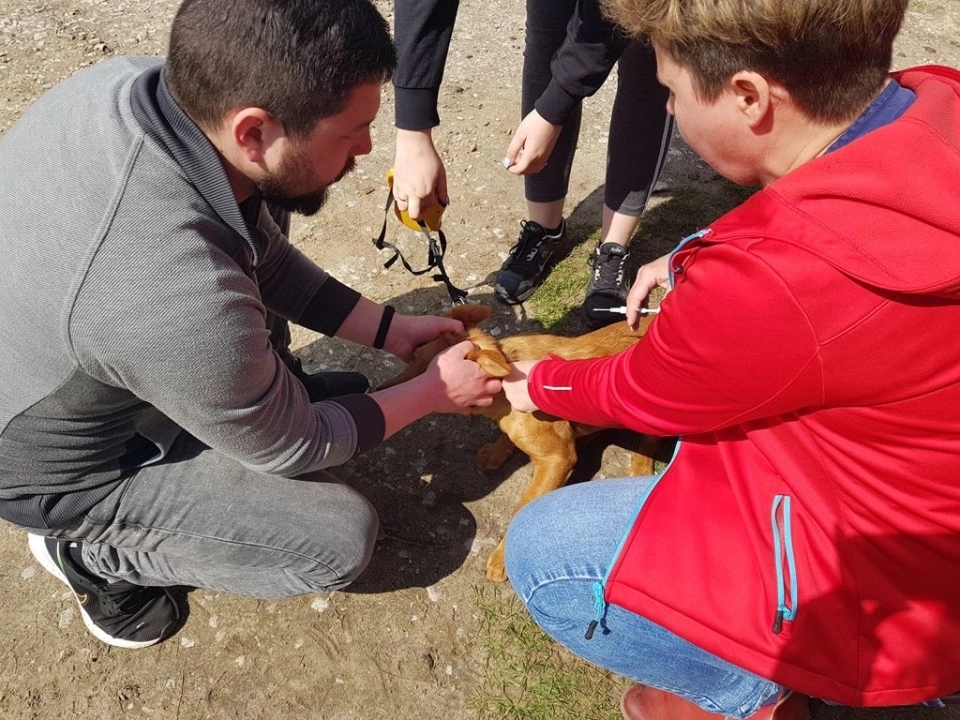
point(294, 172)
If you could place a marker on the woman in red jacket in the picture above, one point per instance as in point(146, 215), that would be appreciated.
point(806, 535)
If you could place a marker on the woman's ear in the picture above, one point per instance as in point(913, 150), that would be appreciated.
point(753, 94)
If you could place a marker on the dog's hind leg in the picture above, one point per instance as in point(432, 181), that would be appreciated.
point(642, 461)
point(493, 455)
point(551, 447)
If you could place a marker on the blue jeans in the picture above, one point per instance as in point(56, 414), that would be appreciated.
point(559, 546)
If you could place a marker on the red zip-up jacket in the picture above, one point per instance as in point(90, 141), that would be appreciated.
point(808, 527)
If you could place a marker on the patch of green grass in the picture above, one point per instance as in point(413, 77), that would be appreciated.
point(562, 293)
point(528, 676)
point(666, 222)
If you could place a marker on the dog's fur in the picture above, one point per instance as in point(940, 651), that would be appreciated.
point(547, 440)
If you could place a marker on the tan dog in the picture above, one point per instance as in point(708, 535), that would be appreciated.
point(547, 440)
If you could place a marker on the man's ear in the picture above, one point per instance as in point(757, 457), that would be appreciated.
point(754, 96)
point(255, 135)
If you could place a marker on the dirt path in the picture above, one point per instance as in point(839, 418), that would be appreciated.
point(403, 643)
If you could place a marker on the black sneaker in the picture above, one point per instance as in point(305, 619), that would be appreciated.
point(606, 288)
point(529, 261)
point(326, 385)
point(329, 384)
point(118, 613)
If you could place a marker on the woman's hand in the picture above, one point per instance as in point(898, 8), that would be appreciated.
point(515, 386)
point(652, 275)
point(532, 144)
point(419, 177)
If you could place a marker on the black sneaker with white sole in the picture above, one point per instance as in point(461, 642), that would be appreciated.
point(327, 384)
point(118, 613)
point(529, 262)
point(606, 289)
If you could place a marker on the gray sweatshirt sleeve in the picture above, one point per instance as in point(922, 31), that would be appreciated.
point(182, 327)
point(294, 287)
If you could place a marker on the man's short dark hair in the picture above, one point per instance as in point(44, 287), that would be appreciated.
point(297, 59)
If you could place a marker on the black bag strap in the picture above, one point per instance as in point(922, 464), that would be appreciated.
point(435, 252)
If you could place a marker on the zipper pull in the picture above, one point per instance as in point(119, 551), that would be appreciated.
point(600, 606)
point(778, 621)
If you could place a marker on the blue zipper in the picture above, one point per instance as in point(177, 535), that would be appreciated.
point(689, 238)
point(783, 548)
point(599, 603)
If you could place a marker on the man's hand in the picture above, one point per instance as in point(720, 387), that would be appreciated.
point(515, 386)
point(532, 144)
point(653, 274)
point(450, 384)
point(458, 384)
point(419, 177)
point(408, 332)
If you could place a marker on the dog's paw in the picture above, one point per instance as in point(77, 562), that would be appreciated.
point(495, 568)
point(491, 457)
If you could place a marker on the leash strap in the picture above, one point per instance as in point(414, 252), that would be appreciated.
point(435, 253)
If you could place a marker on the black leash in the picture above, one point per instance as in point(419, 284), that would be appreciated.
point(435, 252)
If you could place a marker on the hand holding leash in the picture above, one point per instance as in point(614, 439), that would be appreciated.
point(419, 179)
point(436, 247)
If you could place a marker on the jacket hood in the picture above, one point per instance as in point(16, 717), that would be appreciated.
point(884, 209)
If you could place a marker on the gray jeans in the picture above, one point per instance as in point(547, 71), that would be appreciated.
point(202, 519)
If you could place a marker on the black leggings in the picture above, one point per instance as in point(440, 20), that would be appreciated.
point(639, 125)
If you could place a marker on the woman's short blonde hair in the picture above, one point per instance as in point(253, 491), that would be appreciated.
point(832, 55)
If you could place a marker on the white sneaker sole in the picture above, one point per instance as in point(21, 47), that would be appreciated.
point(38, 548)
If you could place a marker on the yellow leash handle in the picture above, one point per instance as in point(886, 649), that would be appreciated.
point(436, 246)
point(431, 216)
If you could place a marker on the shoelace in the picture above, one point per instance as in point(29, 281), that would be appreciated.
point(526, 253)
point(121, 598)
point(114, 598)
point(608, 272)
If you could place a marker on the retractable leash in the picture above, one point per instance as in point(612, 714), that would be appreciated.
point(435, 249)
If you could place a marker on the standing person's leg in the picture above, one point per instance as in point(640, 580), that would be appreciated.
point(201, 519)
point(640, 130)
point(560, 546)
point(543, 231)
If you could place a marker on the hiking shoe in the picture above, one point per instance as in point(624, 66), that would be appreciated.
point(606, 288)
point(118, 613)
point(529, 261)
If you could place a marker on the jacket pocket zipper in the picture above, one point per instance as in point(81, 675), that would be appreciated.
point(784, 562)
